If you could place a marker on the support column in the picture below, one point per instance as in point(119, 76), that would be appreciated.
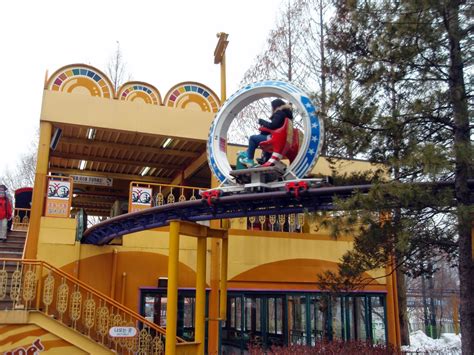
point(392, 315)
point(200, 316)
point(39, 191)
point(112, 275)
point(214, 324)
point(223, 287)
point(172, 293)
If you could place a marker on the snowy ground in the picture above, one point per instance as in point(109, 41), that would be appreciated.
point(447, 344)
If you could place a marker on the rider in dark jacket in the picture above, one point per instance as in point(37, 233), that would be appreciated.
point(277, 119)
point(280, 111)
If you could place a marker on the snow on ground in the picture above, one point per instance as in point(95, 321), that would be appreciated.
point(448, 343)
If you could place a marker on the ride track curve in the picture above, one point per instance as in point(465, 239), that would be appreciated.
point(296, 200)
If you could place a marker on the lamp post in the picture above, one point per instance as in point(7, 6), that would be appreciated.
point(219, 58)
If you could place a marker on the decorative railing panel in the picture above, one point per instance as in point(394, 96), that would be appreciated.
point(21, 219)
point(146, 195)
point(293, 222)
point(36, 285)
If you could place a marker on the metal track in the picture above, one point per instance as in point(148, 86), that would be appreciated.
point(233, 206)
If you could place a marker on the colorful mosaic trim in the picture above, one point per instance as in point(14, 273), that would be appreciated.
point(77, 77)
point(190, 94)
point(138, 91)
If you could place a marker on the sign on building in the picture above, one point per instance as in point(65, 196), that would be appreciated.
point(140, 198)
point(58, 200)
point(123, 332)
point(92, 180)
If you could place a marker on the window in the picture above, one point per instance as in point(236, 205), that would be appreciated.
point(280, 318)
point(378, 319)
point(297, 319)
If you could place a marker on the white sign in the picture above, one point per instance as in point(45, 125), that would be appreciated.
point(122, 332)
point(58, 190)
point(141, 195)
point(92, 180)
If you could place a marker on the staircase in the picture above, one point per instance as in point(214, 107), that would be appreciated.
point(13, 247)
point(36, 286)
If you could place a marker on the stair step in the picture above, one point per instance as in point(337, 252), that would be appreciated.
point(11, 254)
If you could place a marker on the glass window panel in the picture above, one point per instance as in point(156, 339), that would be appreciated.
point(271, 315)
point(297, 319)
point(350, 319)
point(232, 312)
point(258, 309)
point(248, 314)
point(163, 302)
point(322, 316)
point(360, 315)
point(336, 318)
point(189, 304)
point(238, 313)
point(313, 311)
point(378, 319)
point(279, 316)
point(149, 307)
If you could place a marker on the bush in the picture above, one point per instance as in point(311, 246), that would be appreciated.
point(333, 347)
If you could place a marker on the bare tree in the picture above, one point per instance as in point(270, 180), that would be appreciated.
point(23, 174)
point(117, 68)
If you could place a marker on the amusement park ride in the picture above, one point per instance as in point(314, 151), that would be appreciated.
point(256, 191)
point(284, 142)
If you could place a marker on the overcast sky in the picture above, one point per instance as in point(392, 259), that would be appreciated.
point(163, 43)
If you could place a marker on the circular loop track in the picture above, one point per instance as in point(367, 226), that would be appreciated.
point(312, 135)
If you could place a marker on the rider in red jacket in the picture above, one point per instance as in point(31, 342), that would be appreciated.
point(5, 212)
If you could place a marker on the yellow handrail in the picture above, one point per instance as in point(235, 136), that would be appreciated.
point(38, 285)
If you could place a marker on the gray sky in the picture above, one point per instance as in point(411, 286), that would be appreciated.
point(163, 43)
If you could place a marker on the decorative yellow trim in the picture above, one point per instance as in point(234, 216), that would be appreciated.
point(69, 73)
point(146, 97)
point(186, 91)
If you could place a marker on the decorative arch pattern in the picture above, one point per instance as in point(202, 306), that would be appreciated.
point(139, 91)
point(192, 95)
point(81, 78)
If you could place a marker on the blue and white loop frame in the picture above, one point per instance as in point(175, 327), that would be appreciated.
point(312, 125)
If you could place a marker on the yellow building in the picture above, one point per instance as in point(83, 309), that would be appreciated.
point(99, 145)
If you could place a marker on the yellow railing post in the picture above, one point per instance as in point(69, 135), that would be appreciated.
point(172, 293)
point(200, 321)
point(39, 289)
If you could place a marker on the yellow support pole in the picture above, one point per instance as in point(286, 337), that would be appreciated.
point(172, 293)
point(112, 275)
point(39, 191)
point(223, 286)
point(213, 324)
point(200, 316)
point(223, 80)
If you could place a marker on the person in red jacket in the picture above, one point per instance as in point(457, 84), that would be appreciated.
point(5, 212)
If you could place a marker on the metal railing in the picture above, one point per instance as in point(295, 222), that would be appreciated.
point(277, 223)
point(21, 219)
point(39, 286)
point(150, 194)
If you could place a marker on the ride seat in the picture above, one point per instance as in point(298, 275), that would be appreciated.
point(284, 141)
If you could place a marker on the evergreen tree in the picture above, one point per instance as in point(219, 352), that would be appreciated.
point(408, 57)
